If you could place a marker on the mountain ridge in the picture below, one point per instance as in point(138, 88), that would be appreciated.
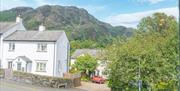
point(77, 22)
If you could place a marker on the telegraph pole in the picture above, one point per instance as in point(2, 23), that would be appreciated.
point(139, 76)
point(178, 74)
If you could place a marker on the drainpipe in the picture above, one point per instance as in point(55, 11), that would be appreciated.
point(54, 58)
point(26, 66)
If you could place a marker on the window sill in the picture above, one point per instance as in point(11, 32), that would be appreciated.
point(40, 71)
point(41, 51)
point(10, 50)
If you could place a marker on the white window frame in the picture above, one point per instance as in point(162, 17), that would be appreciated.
point(42, 47)
point(41, 66)
point(11, 46)
point(10, 64)
point(9, 60)
point(19, 68)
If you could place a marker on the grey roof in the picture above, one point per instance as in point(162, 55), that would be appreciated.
point(34, 36)
point(25, 58)
point(5, 26)
point(96, 53)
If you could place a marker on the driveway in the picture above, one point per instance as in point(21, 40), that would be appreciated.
point(14, 86)
point(88, 86)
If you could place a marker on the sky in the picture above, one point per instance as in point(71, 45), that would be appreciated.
point(116, 12)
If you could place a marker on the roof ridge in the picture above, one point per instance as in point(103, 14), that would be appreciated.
point(34, 36)
point(7, 26)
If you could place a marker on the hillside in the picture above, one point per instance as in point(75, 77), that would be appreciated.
point(77, 22)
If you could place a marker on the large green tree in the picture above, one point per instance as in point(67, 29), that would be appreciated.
point(153, 49)
point(158, 22)
point(85, 64)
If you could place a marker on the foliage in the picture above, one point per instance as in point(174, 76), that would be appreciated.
point(80, 44)
point(32, 23)
point(85, 78)
point(155, 49)
point(85, 64)
point(77, 44)
point(7, 16)
point(157, 22)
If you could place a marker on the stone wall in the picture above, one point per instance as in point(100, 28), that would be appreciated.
point(44, 81)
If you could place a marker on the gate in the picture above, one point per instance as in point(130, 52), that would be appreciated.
point(8, 73)
point(75, 77)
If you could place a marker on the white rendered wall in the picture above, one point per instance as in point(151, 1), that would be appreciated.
point(29, 49)
point(62, 46)
point(1, 50)
point(18, 26)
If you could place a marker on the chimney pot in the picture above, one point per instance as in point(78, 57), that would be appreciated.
point(42, 28)
point(18, 19)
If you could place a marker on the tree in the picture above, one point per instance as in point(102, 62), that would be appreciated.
point(85, 64)
point(157, 22)
point(155, 50)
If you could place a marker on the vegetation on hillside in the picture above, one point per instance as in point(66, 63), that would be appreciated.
point(78, 24)
point(151, 53)
point(7, 16)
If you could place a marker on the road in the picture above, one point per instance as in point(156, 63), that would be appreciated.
point(14, 86)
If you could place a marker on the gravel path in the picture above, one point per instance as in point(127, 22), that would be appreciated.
point(88, 86)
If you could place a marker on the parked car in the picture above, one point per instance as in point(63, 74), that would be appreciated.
point(98, 79)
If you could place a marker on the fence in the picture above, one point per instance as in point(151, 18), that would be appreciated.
point(76, 78)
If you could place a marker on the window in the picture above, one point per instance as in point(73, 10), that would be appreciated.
point(11, 46)
point(19, 66)
point(41, 66)
point(9, 64)
point(42, 47)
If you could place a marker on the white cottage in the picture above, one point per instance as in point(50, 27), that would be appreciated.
point(7, 28)
point(43, 52)
point(101, 69)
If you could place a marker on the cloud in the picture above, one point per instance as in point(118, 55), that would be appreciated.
point(93, 9)
point(8, 4)
point(44, 2)
point(150, 1)
point(132, 19)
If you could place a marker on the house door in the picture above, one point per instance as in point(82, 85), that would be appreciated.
point(9, 65)
point(19, 66)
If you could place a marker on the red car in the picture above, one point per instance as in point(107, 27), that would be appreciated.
point(98, 79)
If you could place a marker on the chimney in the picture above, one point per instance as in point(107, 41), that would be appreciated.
point(42, 27)
point(18, 19)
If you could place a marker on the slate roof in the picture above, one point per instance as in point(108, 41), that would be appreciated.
point(96, 53)
point(4, 26)
point(32, 35)
point(25, 58)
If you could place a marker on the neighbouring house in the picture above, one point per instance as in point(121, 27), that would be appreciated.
point(7, 28)
point(43, 52)
point(96, 53)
